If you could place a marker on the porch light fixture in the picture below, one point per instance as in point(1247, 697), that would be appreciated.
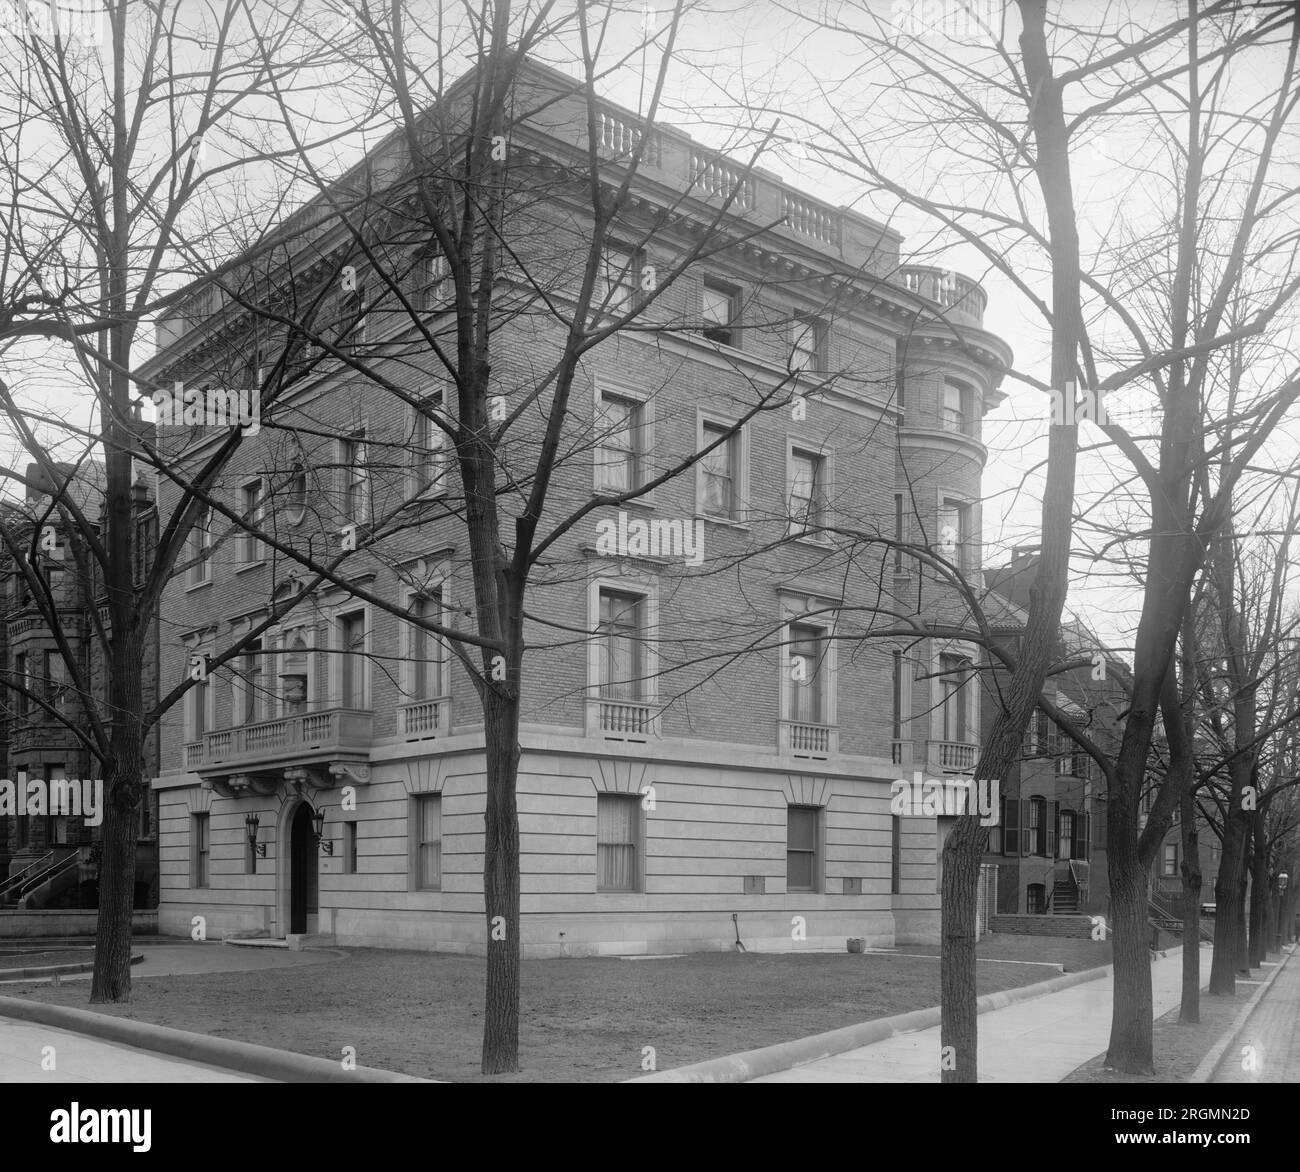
point(251, 823)
point(318, 826)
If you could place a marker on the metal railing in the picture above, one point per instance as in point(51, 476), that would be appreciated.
point(18, 880)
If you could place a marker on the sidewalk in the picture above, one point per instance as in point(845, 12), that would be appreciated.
point(1040, 1040)
point(1272, 1031)
point(186, 956)
point(28, 1049)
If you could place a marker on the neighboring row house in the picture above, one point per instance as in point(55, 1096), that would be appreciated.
point(1050, 845)
point(50, 859)
point(680, 783)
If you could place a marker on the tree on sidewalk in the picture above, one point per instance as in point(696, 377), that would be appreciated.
point(104, 143)
point(1171, 355)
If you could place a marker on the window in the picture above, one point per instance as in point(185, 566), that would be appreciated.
point(198, 549)
point(896, 697)
point(357, 322)
point(197, 700)
point(199, 849)
point(54, 678)
point(24, 681)
point(808, 347)
point(428, 681)
point(898, 531)
point(435, 278)
point(246, 705)
point(1035, 831)
point(719, 309)
point(352, 662)
point(56, 824)
point(1065, 836)
point(807, 691)
point(426, 814)
point(253, 512)
point(619, 443)
point(427, 450)
point(350, 848)
point(294, 678)
point(1011, 837)
point(1171, 858)
point(356, 477)
point(896, 855)
point(955, 538)
point(956, 413)
point(953, 675)
point(622, 672)
point(296, 495)
point(1035, 899)
point(618, 824)
point(720, 472)
point(618, 280)
point(256, 370)
point(802, 865)
point(807, 491)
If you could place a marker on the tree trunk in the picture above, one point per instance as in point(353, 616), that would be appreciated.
point(1130, 1048)
point(111, 979)
point(1241, 952)
point(1189, 1010)
point(501, 884)
point(957, 996)
point(1260, 895)
point(1228, 898)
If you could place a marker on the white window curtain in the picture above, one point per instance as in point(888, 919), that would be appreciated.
point(616, 842)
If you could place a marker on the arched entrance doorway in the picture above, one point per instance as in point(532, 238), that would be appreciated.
point(304, 871)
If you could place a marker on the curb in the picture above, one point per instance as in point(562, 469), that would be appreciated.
point(51, 970)
point(787, 1055)
point(243, 1057)
point(1210, 1062)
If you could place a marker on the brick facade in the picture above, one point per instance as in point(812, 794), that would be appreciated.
point(723, 764)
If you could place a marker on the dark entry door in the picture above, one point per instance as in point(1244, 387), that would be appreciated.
point(302, 869)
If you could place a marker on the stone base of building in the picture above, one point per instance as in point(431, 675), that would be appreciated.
point(552, 935)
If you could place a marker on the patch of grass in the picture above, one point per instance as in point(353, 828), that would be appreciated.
point(583, 1020)
point(1178, 1049)
point(39, 958)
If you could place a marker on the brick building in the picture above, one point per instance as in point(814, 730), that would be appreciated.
point(706, 748)
point(1050, 848)
point(50, 860)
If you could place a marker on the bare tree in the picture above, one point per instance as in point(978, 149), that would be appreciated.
point(1013, 118)
point(104, 143)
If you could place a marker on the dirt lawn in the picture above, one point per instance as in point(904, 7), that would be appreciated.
point(583, 1020)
